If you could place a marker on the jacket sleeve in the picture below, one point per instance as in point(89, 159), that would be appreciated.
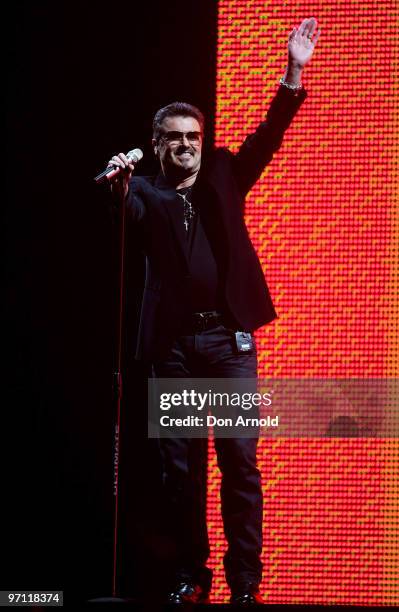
point(136, 216)
point(258, 148)
point(134, 203)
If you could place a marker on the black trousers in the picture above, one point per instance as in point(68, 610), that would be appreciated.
point(212, 354)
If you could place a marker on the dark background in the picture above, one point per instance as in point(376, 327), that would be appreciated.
point(84, 80)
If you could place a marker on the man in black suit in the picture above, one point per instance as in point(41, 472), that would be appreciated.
point(203, 284)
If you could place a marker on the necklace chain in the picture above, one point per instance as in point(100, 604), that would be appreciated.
point(189, 211)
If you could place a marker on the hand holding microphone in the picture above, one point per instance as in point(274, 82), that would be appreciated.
point(120, 166)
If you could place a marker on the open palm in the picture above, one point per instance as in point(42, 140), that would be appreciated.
point(302, 41)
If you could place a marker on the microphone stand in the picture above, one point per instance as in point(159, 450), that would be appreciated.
point(117, 383)
point(117, 397)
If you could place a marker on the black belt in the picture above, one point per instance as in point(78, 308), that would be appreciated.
point(202, 321)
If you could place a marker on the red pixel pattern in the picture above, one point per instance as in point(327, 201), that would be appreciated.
point(324, 221)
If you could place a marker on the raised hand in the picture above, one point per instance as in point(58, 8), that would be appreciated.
point(302, 41)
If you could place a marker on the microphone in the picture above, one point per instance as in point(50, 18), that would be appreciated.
point(134, 156)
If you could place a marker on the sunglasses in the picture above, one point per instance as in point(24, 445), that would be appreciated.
point(174, 137)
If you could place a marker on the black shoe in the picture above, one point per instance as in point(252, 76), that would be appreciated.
point(188, 592)
point(246, 596)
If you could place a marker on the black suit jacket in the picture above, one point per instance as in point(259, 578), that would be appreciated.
point(219, 191)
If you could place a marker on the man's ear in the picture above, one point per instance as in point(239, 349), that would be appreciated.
point(154, 146)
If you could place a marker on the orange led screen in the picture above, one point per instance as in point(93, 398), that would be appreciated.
point(324, 220)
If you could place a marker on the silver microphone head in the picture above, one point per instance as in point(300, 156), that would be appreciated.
point(134, 155)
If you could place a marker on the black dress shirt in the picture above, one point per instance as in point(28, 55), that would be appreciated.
point(204, 287)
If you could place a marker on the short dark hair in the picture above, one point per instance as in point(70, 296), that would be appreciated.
point(175, 109)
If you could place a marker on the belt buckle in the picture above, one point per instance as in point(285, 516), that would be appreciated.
point(203, 320)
